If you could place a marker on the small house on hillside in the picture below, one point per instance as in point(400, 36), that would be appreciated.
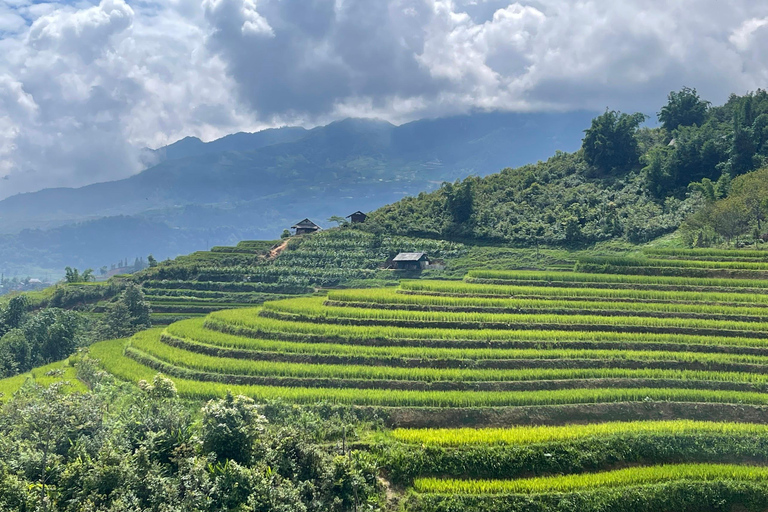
point(410, 261)
point(357, 217)
point(305, 226)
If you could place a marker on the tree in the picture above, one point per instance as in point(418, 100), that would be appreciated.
point(683, 108)
point(610, 144)
point(130, 314)
point(340, 221)
point(14, 314)
point(459, 200)
point(230, 426)
point(656, 173)
point(730, 218)
point(15, 353)
point(151, 261)
point(742, 147)
point(138, 307)
point(285, 234)
point(49, 422)
point(52, 334)
point(752, 190)
point(72, 275)
point(705, 187)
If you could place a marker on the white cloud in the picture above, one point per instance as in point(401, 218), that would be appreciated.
point(83, 86)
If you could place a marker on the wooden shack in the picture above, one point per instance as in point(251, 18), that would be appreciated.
point(357, 218)
point(410, 261)
point(305, 226)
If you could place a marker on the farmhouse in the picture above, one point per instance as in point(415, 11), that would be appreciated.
point(410, 261)
point(305, 226)
point(357, 218)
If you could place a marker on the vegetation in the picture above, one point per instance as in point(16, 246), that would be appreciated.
point(628, 183)
point(615, 371)
point(122, 449)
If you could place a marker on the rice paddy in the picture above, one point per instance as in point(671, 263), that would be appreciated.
point(544, 343)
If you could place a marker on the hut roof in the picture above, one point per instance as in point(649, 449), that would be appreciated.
point(306, 223)
point(409, 256)
point(358, 212)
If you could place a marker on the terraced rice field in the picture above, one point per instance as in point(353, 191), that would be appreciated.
point(633, 380)
point(250, 273)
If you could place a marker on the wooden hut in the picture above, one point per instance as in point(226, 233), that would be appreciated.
point(357, 217)
point(305, 226)
point(410, 261)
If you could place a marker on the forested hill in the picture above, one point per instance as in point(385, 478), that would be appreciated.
point(625, 182)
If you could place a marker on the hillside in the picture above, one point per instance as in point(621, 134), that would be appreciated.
point(505, 389)
point(544, 361)
point(626, 182)
point(252, 186)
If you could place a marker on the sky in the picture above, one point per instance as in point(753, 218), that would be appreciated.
point(85, 85)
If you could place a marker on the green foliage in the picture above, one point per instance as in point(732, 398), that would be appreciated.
point(129, 314)
point(743, 212)
point(683, 108)
point(33, 339)
point(74, 276)
point(610, 144)
point(231, 427)
point(117, 449)
point(550, 203)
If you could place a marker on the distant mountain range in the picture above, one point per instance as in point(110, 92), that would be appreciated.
point(254, 185)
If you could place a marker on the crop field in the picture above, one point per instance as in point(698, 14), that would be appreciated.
point(619, 478)
point(532, 385)
point(250, 273)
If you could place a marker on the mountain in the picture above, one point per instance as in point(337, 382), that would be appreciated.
point(192, 146)
point(255, 185)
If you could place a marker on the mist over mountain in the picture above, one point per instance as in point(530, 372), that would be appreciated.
point(254, 185)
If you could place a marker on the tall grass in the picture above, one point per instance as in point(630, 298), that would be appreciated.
point(235, 366)
point(502, 290)
point(313, 307)
point(576, 277)
point(618, 478)
point(546, 434)
point(114, 361)
point(248, 322)
point(392, 298)
point(192, 331)
point(657, 262)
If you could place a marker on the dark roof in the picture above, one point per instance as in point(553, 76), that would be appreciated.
point(358, 212)
point(306, 223)
point(409, 256)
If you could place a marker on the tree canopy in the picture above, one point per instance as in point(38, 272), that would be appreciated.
point(683, 108)
point(610, 144)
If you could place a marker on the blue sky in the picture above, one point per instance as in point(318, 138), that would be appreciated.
point(85, 85)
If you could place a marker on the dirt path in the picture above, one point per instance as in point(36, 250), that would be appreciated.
point(275, 251)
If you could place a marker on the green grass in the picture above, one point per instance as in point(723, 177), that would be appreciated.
point(59, 371)
point(192, 331)
point(393, 298)
point(313, 307)
point(114, 361)
point(658, 262)
point(587, 278)
point(523, 435)
point(619, 478)
point(712, 253)
point(247, 322)
point(623, 294)
point(233, 366)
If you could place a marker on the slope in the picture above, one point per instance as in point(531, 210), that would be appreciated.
point(213, 198)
